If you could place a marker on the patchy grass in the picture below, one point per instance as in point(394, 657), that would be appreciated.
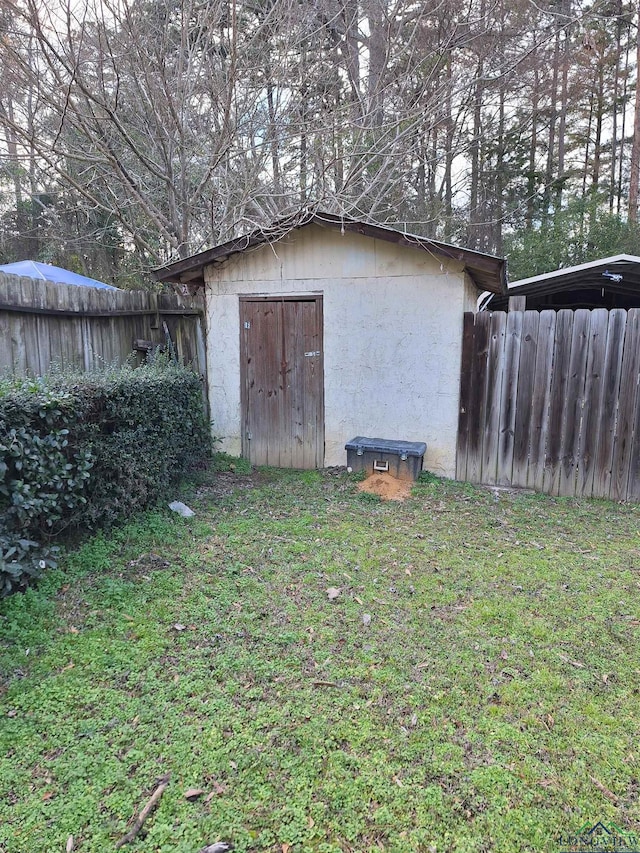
point(490, 705)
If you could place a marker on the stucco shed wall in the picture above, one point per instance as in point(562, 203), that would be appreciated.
point(392, 337)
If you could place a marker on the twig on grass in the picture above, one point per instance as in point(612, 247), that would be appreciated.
point(146, 811)
point(605, 791)
point(325, 684)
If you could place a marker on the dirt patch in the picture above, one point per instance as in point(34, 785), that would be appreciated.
point(387, 487)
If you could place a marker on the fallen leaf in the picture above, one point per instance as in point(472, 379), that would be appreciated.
point(73, 630)
point(193, 794)
point(128, 618)
point(333, 592)
point(12, 713)
point(65, 588)
point(233, 765)
point(70, 844)
point(310, 822)
point(407, 572)
point(422, 666)
point(47, 795)
point(359, 600)
point(366, 619)
point(503, 654)
point(414, 720)
point(179, 627)
point(217, 790)
point(67, 667)
point(286, 848)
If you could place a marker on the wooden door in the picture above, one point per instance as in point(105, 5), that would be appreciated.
point(282, 385)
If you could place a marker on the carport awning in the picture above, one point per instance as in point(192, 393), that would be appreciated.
point(578, 286)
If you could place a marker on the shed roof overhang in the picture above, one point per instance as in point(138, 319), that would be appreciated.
point(487, 271)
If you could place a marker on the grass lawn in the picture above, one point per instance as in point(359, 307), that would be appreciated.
point(472, 687)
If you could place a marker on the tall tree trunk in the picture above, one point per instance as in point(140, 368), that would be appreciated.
point(625, 89)
point(634, 177)
point(533, 150)
point(474, 191)
point(448, 153)
point(551, 148)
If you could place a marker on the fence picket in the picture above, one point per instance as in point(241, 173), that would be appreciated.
point(557, 401)
point(478, 395)
point(593, 413)
point(574, 400)
point(539, 424)
point(626, 407)
point(465, 396)
point(494, 392)
point(508, 398)
point(611, 375)
point(524, 400)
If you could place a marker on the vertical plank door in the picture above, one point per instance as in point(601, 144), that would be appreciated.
point(282, 385)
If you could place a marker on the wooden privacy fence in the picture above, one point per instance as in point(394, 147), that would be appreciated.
point(549, 401)
point(45, 325)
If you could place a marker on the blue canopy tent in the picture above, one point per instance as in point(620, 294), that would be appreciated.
point(46, 272)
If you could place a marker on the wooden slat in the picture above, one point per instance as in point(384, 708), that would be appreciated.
point(464, 412)
point(626, 407)
point(508, 398)
point(313, 386)
point(611, 378)
point(493, 397)
point(539, 424)
point(558, 401)
point(592, 416)
point(29, 329)
point(572, 419)
point(481, 333)
point(18, 351)
point(526, 385)
point(633, 483)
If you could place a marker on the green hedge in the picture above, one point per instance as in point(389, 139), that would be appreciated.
point(84, 452)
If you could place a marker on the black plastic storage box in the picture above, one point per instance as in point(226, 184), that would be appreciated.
point(401, 459)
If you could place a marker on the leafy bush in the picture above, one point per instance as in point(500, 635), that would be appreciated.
point(22, 560)
point(81, 452)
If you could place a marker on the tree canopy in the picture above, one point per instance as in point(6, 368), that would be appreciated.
point(138, 131)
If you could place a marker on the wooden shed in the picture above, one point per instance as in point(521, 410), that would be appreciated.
point(323, 327)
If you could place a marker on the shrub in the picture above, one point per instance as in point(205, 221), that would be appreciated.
point(81, 452)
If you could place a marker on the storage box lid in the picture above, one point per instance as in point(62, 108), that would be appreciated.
point(386, 445)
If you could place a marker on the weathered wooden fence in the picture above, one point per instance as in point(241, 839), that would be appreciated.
point(45, 325)
point(549, 401)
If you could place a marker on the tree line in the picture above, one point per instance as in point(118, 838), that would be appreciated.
point(137, 131)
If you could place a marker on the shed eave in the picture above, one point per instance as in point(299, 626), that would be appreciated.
point(487, 271)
